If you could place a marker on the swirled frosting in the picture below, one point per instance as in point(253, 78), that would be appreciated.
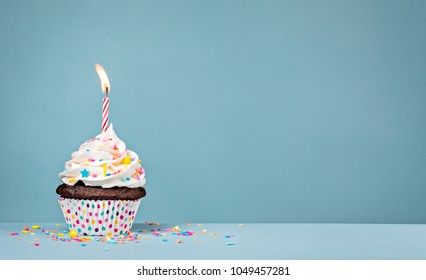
point(104, 161)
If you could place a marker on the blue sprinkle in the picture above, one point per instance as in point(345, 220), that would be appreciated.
point(127, 179)
point(108, 174)
point(165, 240)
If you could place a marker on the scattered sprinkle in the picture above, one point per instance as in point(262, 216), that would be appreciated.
point(73, 233)
point(116, 240)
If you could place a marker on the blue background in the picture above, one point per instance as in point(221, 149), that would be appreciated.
point(242, 111)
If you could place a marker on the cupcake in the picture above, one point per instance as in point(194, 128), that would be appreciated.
point(102, 186)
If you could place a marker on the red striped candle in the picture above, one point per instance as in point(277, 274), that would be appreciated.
point(105, 89)
point(105, 113)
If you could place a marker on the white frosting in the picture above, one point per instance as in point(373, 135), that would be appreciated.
point(104, 161)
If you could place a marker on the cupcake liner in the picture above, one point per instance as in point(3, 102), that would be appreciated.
point(99, 217)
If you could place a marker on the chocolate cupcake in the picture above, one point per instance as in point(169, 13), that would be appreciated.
point(102, 186)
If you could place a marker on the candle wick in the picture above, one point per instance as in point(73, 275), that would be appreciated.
point(106, 91)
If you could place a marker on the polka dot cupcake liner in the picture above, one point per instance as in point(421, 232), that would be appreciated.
point(99, 217)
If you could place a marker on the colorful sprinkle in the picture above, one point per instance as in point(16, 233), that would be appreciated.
point(73, 233)
point(126, 160)
point(84, 173)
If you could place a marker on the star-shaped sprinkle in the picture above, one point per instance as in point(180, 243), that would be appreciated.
point(126, 160)
point(84, 173)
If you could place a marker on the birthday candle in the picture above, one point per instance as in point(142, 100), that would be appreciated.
point(105, 89)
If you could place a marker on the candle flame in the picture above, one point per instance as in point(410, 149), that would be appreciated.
point(104, 79)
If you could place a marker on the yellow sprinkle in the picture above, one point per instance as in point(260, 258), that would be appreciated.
point(71, 180)
point(126, 160)
point(60, 234)
point(105, 169)
point(240, 225)
point(36, 227)
point(25, 231)
point(58, 225)
point(73, 234)
point(139, 161)
point(176, 228)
